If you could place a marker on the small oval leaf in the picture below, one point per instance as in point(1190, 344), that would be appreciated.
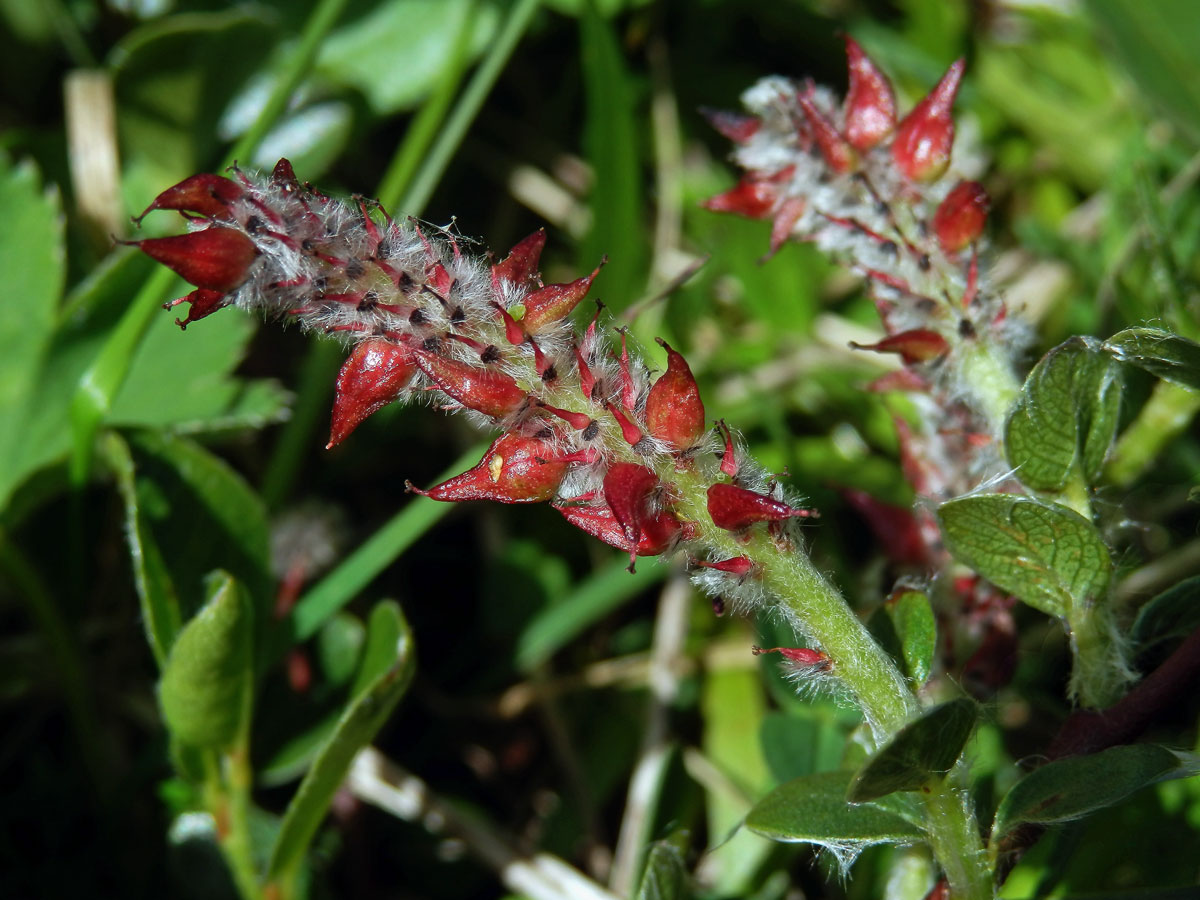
point(1046, 555)
point(1071, 788)
point(916, 630)
point(814, 810)
point(208, 679)
point(921, 751)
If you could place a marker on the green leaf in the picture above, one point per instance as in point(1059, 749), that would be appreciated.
point(1065, 417)
point(916, 630)
point(1173, 613)
point(1161, 353)
point(208, 680)
point(1046, 555)
point(388, 665)
point(213, 516)
point(665, 876)
point(1071, 788)
point(920, 752)
point(31, 258)
point(156, 591)
point(814, 810)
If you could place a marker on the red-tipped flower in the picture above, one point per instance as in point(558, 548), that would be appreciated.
point(216, 258)
point(960, 217)
point(734, 126)
point(674, 410)
point(371, 377)
point(870, 103)
point(924, 139)
point(734, 508)
point(916, 346)
point(515, 469)
point(483, 390)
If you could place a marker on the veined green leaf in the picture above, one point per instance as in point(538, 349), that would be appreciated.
point(1065, 417)
point(1047, 555)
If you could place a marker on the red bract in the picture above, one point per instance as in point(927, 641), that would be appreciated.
point(895, 527)
point(915, 346)
point(483, 390)
point(924, 139)
point(216, 258)
point(870, 103)
point(960, 217)
point(798, 656)
point(674, 410)
point(206, 194)
point(203, 303)
point(837, 153)
point(371, 377)
point(554, 302)
point(520, 267)
point(734, 508)
point(515, 469)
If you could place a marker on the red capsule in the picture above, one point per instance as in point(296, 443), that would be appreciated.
point(216, 257)
point(554, 302)
point(284, 176)
point(870, 102)
point(924, 139)
point(520, 267)
point(483, 390)
point(628, 488)
point(203, 303)
point(734, 508)
point(674, 410)
point(960, 217)
point(206, 194)
point(515, 469)
point(729, 463)
point(916, 346)
point(632, 434)
point(372, 376)
point(839, 155)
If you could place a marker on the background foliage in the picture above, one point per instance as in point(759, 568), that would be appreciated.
point(531, 692)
